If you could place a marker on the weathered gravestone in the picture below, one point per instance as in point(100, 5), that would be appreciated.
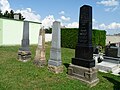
point(112, 51)
point(24, 53)
point(40, 59)
point(55, 62)
point(83, 65)
point(111, 61)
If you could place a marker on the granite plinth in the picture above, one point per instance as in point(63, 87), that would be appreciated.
point(54, 62)
point(24, 56)
point(109, 67)
point(83, 62)
point(40, 63)
point(55, 69)
point(112, 59)
point(86, 75)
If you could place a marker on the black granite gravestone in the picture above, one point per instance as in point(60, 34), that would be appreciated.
point(84, 49)
point(83, 65)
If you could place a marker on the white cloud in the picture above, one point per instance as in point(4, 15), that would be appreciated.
point(48, 21)
point(111, 9)
point(102, 26)
point(73, 25)
point(111, 5)
point(109, 2)
point(95, 24)
point(29, 15)
point(107, 9)
point(65, 18)
point(62, 12)
point(112, 25)
point(111, 28)
point(76, 24)
point(4, 5)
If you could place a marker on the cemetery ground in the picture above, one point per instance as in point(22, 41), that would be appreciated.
point(17, 75)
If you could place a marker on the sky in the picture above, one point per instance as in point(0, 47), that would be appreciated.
point(106, 13)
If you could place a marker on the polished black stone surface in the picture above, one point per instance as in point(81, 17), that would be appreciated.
point(84, 49)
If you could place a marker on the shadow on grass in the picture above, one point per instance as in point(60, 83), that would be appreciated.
point(66, 65)
point(115, 82)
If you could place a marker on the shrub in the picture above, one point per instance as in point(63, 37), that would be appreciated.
point(69, 37)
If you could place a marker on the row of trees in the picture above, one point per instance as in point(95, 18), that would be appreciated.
point(10, 15)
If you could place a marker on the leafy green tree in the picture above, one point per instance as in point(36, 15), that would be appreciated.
point(6, 14)
point(21, 17)
point(1, 13)
point(11, 14)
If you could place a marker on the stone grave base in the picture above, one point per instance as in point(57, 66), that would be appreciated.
point(86, 75)
point(24, 56)
point(112, 59)
point(39, 63)
point(113, 68)
point(55, 69)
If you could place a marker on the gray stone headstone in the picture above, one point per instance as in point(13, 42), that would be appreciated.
point(40, 59)
point(24, 53)
point(112, 52)
point(55, 62)
point(111, 61)
point(83, 65)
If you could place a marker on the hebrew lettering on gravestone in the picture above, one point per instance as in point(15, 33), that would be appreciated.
point(83, 65)
point(84, 49)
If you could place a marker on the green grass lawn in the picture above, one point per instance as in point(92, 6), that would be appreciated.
point(16, 75)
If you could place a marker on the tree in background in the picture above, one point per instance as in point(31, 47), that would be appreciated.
point(20, 16)
point(1, 13)
point(10, 15)
point(6, 14)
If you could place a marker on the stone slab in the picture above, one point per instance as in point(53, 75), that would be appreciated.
point(55, 69)
point(86, 75)
point(83, 62)
point(111, 59)
point(112, 52)
point(108, 67)
point(24, 56)
point(54, 62)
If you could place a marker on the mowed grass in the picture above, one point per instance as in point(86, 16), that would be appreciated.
point(16, 75)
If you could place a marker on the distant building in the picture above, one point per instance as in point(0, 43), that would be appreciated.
point(16, 16)
point(63, 27)
point(11, 31)
point(112, 39)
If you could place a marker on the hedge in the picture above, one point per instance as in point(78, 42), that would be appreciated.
point(69, 37)
point(98, 37)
